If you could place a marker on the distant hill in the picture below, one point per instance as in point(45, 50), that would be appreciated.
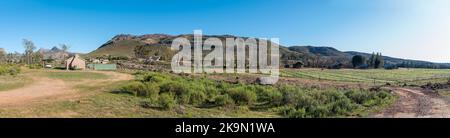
point(313, 56)
point(53, 53)
point(400, 61)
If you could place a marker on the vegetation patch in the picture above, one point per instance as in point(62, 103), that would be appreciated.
point(75, 75)
point(13, 82)
point(168, 91)
point(10, 77)
point(9, 69)
point(373, 76)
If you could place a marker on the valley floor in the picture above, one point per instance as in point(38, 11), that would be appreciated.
point(68, 94)
point(59, 93)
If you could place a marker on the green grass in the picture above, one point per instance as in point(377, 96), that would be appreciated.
point(270, 102)
point(199, 97)
point(121, 48)
point(103, 104)
point(379, 76)
point(120, 106)
point(75, 76)
point(11, 77)
point(445, 93)
point(12, 82)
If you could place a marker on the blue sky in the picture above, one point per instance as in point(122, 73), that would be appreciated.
point(414, 29)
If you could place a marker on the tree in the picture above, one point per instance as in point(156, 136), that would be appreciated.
point(13, 57)
point(65, 48)
point(376, 60)
point(379, 61)
point(371, 61)
point(3, 55)
point(29, 49)
point(358, 60)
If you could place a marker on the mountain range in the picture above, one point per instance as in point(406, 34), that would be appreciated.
point(54, 53)
point(312, 56)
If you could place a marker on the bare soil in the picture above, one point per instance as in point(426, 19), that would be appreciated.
point(44, 89)
point(416, 103)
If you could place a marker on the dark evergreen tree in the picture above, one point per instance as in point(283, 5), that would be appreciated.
point(358, 60)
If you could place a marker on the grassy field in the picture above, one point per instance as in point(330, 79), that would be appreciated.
point(445, 93)
point(13, 82)
point(103, 103)
point(168, 95)
point(373, 76)
point(154, 94)
point(11, 77)
point(75, 76)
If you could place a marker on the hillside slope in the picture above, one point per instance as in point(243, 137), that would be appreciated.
point(124, 45)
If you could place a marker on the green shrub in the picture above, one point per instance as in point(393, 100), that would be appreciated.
point(197, 97)
point(269, 94)
point(358, 96)
point(166, 101)
point(7, 69)
point(133, 88)
point(291, 112)
point(151, 91)
point(223, 100)
point(155, 78)
point(289, 94)
point(183, 99)
point(223, 86)
point(307, 102)
point(342, 106)
point(148, 90)
point(166, 90)
point(242, 96)
point(176, 87)
point(192, 97)
point(319, 112)
point(211, 92)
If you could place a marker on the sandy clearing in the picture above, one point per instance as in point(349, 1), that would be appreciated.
point(45, 89)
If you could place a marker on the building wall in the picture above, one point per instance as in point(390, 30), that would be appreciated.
point(102, 66)
point(76, 63)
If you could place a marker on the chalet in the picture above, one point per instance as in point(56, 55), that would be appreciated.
point(75, 63)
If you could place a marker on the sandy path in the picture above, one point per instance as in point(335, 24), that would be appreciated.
point(414, 103)
point(44, 88)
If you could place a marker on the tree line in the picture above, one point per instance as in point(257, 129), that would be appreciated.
point(30, 56)
point(375, 61)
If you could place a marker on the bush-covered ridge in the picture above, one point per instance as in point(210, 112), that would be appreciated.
point(166, 91)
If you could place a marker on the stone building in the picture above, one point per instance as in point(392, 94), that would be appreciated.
point(75, 63)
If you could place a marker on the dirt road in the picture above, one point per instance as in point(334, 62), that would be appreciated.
point(44, 89)
point(416, 103)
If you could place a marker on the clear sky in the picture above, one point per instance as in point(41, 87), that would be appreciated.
point(414, 29)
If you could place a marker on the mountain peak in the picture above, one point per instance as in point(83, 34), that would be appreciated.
point(55, 49)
